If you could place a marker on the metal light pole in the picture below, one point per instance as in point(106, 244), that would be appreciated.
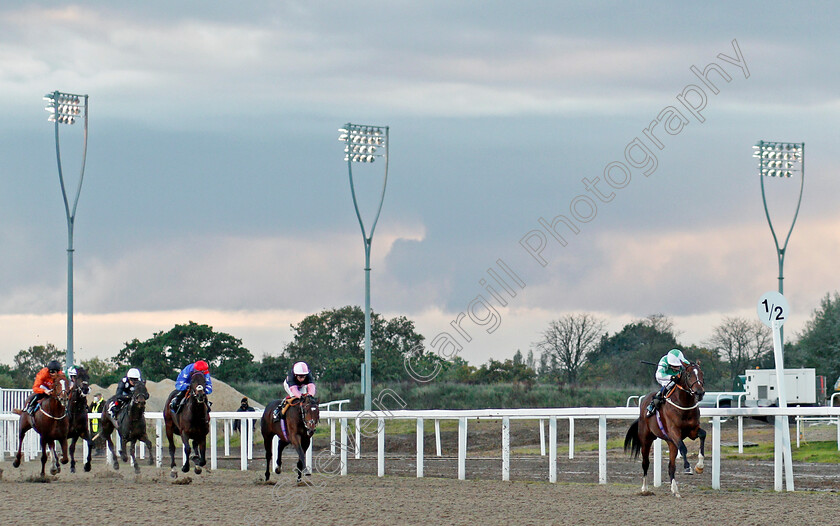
point(780, 159)
point(364, 144)
point(66, 108)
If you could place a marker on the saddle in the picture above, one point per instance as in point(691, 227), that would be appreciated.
point(280, 410)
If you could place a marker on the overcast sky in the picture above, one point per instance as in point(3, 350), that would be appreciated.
point(215, 188)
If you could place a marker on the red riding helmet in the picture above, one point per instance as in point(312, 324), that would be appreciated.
point(202, 367)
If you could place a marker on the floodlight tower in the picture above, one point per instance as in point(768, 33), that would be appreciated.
point(67, 108)
point(366, 144)
point(782, 160)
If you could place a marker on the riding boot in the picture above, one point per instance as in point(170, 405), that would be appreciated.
point(175, 404)
point(33, 403)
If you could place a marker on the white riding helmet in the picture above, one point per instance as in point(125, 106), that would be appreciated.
point(133, 373)
point(676, 358)
point(72, 372)
point(300, 368)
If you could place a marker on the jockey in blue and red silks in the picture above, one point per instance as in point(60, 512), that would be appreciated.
point(182, 383)
point(299, 381)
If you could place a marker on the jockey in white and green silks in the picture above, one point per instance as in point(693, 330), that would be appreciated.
point(669, 366)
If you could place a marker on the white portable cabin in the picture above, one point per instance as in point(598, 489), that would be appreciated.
point(800, 386)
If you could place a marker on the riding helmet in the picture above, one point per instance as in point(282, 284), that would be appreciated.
point(202, 367)
point(54, 366)
point(301, 368)
point(133, 373)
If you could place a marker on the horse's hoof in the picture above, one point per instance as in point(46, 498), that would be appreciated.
point(65, 460)
point(124, 458)
point(72, 469)
point(267, 476)
point(185, 469)
point(151, 461)
point(116, 467)
point(54, 471)
point(16, 463)
point(197, 469)
point(173, 474)
point(87, 467)
point(698, 470)
point(137, 469)
point(689, 471)
point(276, 470)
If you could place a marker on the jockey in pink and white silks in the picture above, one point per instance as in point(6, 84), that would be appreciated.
point(299, 381)
point(667, 370)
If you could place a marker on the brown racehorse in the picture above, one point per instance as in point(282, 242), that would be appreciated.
point(131, 426)
point(677, 419)
point(51, 422)
point(192, 422)
point(77, 412)
point(296, 427)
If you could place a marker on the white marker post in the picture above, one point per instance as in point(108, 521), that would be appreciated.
point(773, 311)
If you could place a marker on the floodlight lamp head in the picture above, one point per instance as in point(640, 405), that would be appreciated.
point(361, 142)
point(778, 159)
point(64, 107)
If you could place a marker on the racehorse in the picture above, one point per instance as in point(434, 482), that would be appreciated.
point(51, 422)
point(77, 412)
point(192, 422)
point(131, 426)
point(296, 427)
point(677, 419)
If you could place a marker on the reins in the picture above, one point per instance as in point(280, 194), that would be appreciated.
point(688, 390)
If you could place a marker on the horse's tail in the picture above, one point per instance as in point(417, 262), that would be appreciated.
point(631, 441)
point(17, 411)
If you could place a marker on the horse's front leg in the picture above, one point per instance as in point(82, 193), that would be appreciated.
point(684, 452)
point(672, 468)
point(700, 456)
point(89, 442)
point(151, 451)
point(110, 452)
point(186, 467)
point(131, 452)
point(301, 463)
point(73, 454)
point(282, 445)
point(199, 445)
point(45, 446)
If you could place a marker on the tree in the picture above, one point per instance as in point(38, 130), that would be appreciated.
point(508, 371)
point(28, 362)
point(332, 343)
point(619, 358)
point(741, 343)
point(819, 342)
point(101, 372)
point(166, 353)
point(570, 339)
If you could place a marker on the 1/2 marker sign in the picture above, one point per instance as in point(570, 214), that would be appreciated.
point(772, 307)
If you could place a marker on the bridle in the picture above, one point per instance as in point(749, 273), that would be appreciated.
point(311, 423)
point(690, 389)
point(61, 396)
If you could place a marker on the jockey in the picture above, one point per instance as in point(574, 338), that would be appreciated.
point(667, 370)
point(299, 381)
point(43, 386)
point(71, 374)
point(124, 391)
point(182, 383)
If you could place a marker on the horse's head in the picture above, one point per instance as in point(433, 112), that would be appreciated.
point(691, 378)
point(140, 394)
point(309, 413)
point(82, 382)
point(198, 386)
point(61, 389)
